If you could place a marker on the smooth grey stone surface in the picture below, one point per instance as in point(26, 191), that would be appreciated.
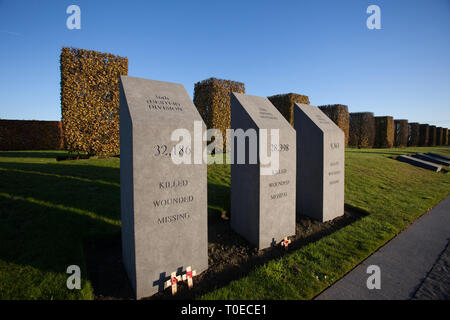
point(320, 164)
point(431, 159)
point(420, 163)
point(438, 155)
point(406, 262)
point(163, 205)
point(262, 206)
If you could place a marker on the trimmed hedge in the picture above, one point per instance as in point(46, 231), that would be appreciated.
point(212, 99)
point(445, 142)
point(413, 134)
point(90, 100)
point(384, 132)
point(31, 135)
point(401, 133)
point(338, 113)
point(439, 136)
point(362, 130)
point(285, 104)
point(432, 136)
point(424, 135)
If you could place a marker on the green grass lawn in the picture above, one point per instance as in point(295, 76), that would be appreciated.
point(48, 209)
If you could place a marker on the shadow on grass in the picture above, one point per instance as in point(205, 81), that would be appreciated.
point(66, 170)
point(31, 154)
point(91, 189)
point(45, 237)
point(381, 152)
point(47, 209)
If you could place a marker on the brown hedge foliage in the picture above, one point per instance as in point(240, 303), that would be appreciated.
point(90, 100)
point(424, 135)
point(439, 136)
point(31, 135)
point(432, 136)
point(384, 132)
point(413, 134)
point(445, 140)
point(401, 133)
point(362, 130)
point(338, 113)
point(212, 99)
point(285, 104)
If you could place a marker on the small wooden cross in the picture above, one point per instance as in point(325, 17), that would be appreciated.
point(173, 282)
point(189, 275)
point(285, 243)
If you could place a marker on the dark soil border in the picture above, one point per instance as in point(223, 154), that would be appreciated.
point(231, 257)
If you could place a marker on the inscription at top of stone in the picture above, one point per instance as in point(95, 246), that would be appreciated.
point(264, 114)
point(163, 103)
point(322, 119)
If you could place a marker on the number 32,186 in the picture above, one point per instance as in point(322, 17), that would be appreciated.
point(162, 150)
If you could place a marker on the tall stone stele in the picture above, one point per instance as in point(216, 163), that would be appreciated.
point(320, 164)
point(262, 196)
point(163, 204)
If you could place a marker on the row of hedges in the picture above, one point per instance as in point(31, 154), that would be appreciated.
point(90, 110)
point(367, 131)
point(31, 135)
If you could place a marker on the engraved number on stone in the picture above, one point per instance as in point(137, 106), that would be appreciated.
point(280, 147)
point(161, 150)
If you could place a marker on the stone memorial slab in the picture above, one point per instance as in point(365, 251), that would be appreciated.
point(163, 205)
point(320, 164)
point(429, 158)
point(420, 163)
point(262, 196)
point(438, 155)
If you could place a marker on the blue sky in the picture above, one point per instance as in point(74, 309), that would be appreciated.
point(319, 48)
